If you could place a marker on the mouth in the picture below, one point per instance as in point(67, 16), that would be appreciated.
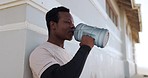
point(71, 31)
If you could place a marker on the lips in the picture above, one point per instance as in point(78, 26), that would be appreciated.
point(71, 31)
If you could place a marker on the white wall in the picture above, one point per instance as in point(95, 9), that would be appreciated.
point(12, 53)
point(20, 33)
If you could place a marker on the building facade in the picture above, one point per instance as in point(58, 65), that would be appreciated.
point(23, 27)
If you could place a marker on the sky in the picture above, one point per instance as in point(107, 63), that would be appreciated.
point(142, 47)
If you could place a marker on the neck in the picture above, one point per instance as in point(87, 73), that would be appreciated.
point(59, 43)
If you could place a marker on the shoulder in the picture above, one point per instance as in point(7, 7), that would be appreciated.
point(40, 59)
point(42, 49)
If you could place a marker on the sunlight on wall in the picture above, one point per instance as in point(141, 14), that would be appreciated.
point(142, 47)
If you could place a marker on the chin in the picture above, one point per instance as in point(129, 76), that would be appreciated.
point(70, 38)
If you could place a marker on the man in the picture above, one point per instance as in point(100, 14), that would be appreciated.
point(50, 59)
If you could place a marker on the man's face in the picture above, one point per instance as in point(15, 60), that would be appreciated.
point(65, 26)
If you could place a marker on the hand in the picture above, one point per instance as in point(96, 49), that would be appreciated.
point(87, 40)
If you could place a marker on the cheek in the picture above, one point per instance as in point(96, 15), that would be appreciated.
point(62, 31)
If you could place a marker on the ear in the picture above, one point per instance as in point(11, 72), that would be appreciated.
point(52, 25)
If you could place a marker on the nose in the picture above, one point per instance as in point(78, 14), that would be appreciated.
point(72, 26)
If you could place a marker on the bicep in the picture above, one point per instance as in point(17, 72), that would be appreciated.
point(51, 72)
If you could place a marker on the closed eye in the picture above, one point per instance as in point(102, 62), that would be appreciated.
point(68, 22)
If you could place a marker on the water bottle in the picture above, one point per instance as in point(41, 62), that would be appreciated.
point(100, 35)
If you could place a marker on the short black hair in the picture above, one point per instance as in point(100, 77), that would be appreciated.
point(53, 15)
